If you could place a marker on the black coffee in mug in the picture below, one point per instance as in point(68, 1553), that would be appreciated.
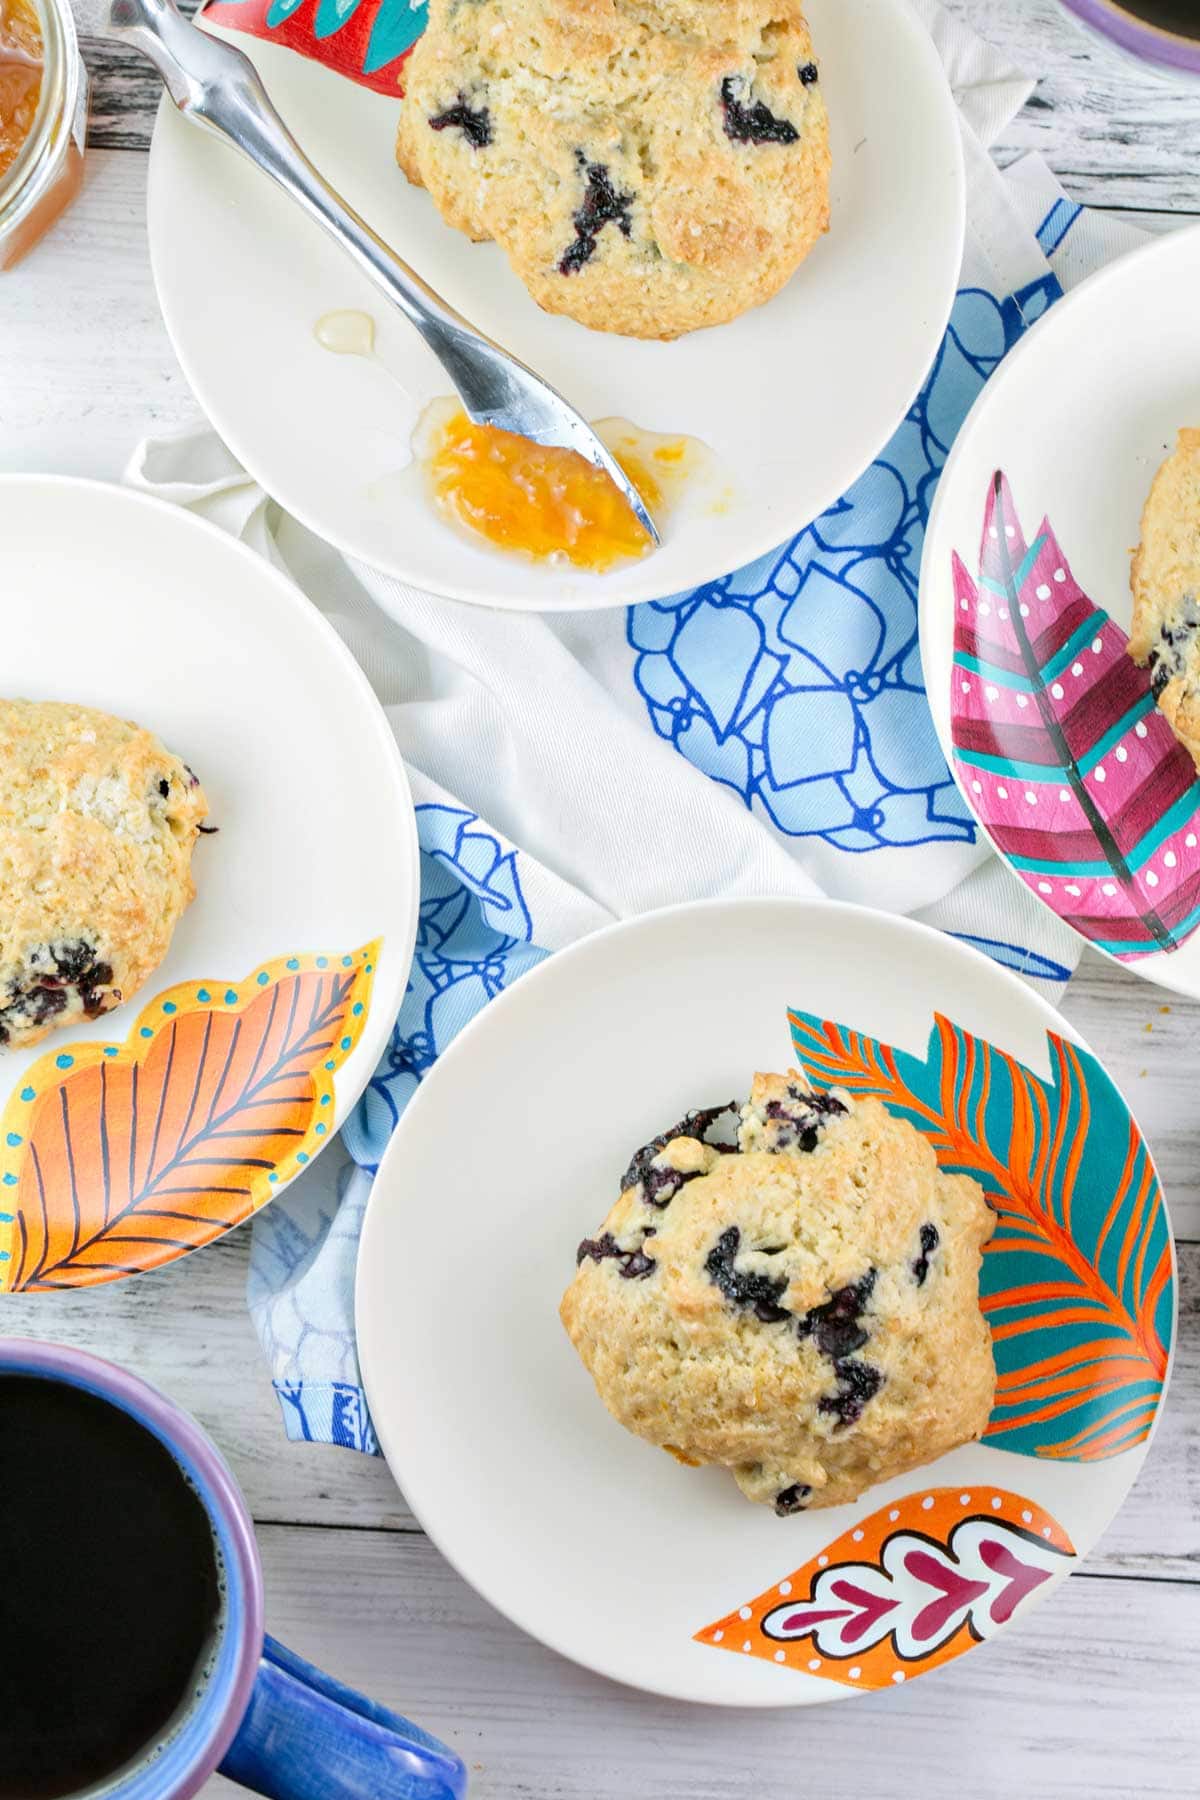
point(109, 1588)
point(1179, 16)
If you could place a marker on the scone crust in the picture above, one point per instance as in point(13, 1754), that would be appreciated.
point(701, 224)
point(846, 1222)
point(1166, 590)
point(97, 825)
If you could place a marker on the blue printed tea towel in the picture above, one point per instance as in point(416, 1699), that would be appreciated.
point(766, 734)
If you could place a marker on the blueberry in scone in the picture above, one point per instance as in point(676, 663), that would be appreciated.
point(97, 825)
point(1166, 591)
point(648, 166)
point(798, 1304)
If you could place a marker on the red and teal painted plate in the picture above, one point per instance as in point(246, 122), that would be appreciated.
point(664, 1576)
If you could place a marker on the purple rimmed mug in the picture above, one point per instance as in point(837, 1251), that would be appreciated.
point(1154, 34)
point(262, 1716)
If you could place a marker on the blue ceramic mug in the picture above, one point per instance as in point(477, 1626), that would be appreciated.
point(262, 1716)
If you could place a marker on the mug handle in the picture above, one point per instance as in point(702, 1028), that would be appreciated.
point(306, 1737)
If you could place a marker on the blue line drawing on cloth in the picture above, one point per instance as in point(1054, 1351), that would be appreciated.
point(303, 1253)
point(474, 938)
point(797, 681)
point(1057, 223)
point(339, 1415)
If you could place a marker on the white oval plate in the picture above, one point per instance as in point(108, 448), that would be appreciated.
point(511, 1152)
point(795, 398)
point(127, 604)
point(1078, 418)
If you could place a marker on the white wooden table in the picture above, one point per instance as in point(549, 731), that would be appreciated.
point(1095, 1696)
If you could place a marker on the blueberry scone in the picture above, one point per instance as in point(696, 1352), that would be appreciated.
point(797, 1301)
point(1166, 591)
point(648, 166)
point(97, 825)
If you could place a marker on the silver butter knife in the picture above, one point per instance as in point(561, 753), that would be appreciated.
point(217, 87)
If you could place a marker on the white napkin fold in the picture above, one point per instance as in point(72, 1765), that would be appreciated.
point(571, 771)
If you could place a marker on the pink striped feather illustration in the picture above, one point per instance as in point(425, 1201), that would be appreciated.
point(1073, 771)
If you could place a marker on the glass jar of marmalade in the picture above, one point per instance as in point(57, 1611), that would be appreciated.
point(43, 121)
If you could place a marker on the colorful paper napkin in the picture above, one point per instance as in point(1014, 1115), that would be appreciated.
point(767, 734)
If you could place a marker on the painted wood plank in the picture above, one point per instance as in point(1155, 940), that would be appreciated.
point(1116, 134)
point(86, 367)
point(1148, 1040)
point(1090, 1699)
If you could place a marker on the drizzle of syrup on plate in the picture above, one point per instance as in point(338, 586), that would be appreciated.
point(545, 503)
point(346, 333)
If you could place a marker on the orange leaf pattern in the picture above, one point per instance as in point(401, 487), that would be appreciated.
point(907, 1589)
point(1078, 1281)
point(116, 1158)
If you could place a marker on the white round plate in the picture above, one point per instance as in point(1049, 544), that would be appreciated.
point(1078, 419)
point(795, 399)
point(511, 1152)
point(130, 1139)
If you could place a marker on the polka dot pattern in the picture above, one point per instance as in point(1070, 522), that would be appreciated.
point(903, 1590)
point(1039, 667)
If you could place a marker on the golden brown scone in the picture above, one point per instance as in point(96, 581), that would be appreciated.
point(648, 166)
point(1166, 591)
point(97, 824)
point(803, 1310)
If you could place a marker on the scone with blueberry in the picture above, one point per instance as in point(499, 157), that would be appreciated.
point(97, 826)
point(793, 1295)
point(1166, 591)
point(648, 166)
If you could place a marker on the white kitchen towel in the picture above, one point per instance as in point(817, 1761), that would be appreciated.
point(768, 733)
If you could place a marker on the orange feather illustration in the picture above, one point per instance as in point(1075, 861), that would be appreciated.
point(117, 1158)
point(1077, 1281)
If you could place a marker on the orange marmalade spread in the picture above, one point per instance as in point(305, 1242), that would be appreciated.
point(20, 77)
point(543, 502)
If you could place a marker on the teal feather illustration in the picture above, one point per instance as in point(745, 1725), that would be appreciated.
point(1078, 1282)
